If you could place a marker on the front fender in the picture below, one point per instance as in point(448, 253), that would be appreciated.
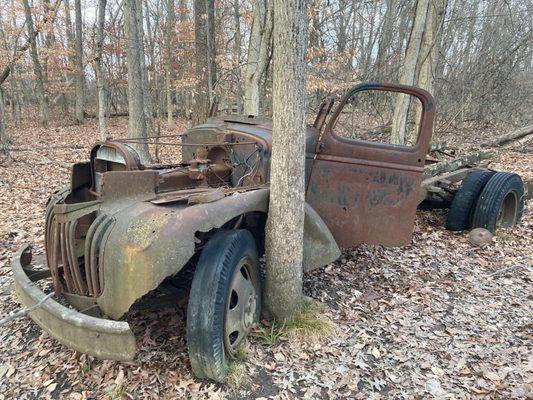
point(149, 243)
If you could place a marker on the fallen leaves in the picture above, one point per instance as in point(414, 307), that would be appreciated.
point(437, 318)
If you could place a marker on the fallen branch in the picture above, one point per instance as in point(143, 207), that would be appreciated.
point(517, 134)
point(25, 310)
point(456, 163)
point(511, 268)
point(66, 146)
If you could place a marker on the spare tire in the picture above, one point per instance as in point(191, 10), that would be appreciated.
point(460, 213)
point(501, 202)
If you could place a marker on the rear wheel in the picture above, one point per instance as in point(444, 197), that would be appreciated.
point(460, 213)
point(224, 302)
point(501, 203)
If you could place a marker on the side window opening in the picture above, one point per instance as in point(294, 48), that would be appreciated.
point(380, 117)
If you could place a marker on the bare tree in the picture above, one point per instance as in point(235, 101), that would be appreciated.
point(258, 54)
point(204, 40)
point(4, 134)
point(408, 75)
point(40, 91)
point(237, 52)
point(169, 72)
point(137, 118)
point(284, 234)
point(100, 79)
point(80, 74)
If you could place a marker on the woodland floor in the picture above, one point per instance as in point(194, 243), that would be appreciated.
point(438, 318)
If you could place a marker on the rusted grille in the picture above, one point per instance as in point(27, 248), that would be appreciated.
point(74, 251)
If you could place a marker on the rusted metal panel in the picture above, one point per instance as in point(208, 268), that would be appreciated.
point(367, 192)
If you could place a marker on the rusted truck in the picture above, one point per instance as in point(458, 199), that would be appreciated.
point(123, 230)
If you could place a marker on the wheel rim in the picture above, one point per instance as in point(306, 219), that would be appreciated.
point(241, 306)
point(507, 214)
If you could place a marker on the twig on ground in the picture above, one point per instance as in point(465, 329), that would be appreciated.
point(25, 310)
point(511, 268)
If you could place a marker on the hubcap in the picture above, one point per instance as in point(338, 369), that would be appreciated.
point(241, 305)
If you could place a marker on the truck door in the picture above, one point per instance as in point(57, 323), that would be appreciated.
point(363, 185)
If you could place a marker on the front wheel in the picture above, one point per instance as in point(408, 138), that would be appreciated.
point(224, 302)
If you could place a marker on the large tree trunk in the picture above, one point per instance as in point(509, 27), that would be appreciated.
point(80, 74)
point(430, 45)
point(284, 233)
point(100, 80)
point(169, 51)
point(204, 40)
point(42, 97)
point(408, 75)
point(258, 54)
point(137, 117)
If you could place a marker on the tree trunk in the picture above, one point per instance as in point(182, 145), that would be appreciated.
point(284, 232)
point(100, 80)
point(169, 75)
point(40, 92)
point(408, 75)
point(385, 39)
point(80, 74)
point(237, 46)
point(147, 101)
point(258, 54)
point(137, 117)
point(4, 134)
point(204, 41)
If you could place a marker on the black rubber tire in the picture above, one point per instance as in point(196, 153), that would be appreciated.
point(502, 186)
point(463, 204)
point(207, 300)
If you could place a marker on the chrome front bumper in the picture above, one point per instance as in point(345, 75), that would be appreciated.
point(98, 337)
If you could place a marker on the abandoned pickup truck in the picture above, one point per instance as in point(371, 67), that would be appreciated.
point(123, 229)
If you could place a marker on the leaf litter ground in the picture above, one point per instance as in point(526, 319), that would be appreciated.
point(438, 318)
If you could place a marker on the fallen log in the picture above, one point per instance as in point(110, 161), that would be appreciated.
point(517, 134)
point(456, 163)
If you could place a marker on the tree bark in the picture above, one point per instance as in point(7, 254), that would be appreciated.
point(80, 74)
point(204, 40)
point(100, 80)
point(40, 91)
point(284, 231)
point(385, 39)
point(147, 101)
point(408, 75)
point(4, 134)
point(237, 50)
point(137, 117)
point(169, 75)
point(258, 54)
point(429, 51)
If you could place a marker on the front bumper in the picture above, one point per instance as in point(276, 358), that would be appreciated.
point(98, 337)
